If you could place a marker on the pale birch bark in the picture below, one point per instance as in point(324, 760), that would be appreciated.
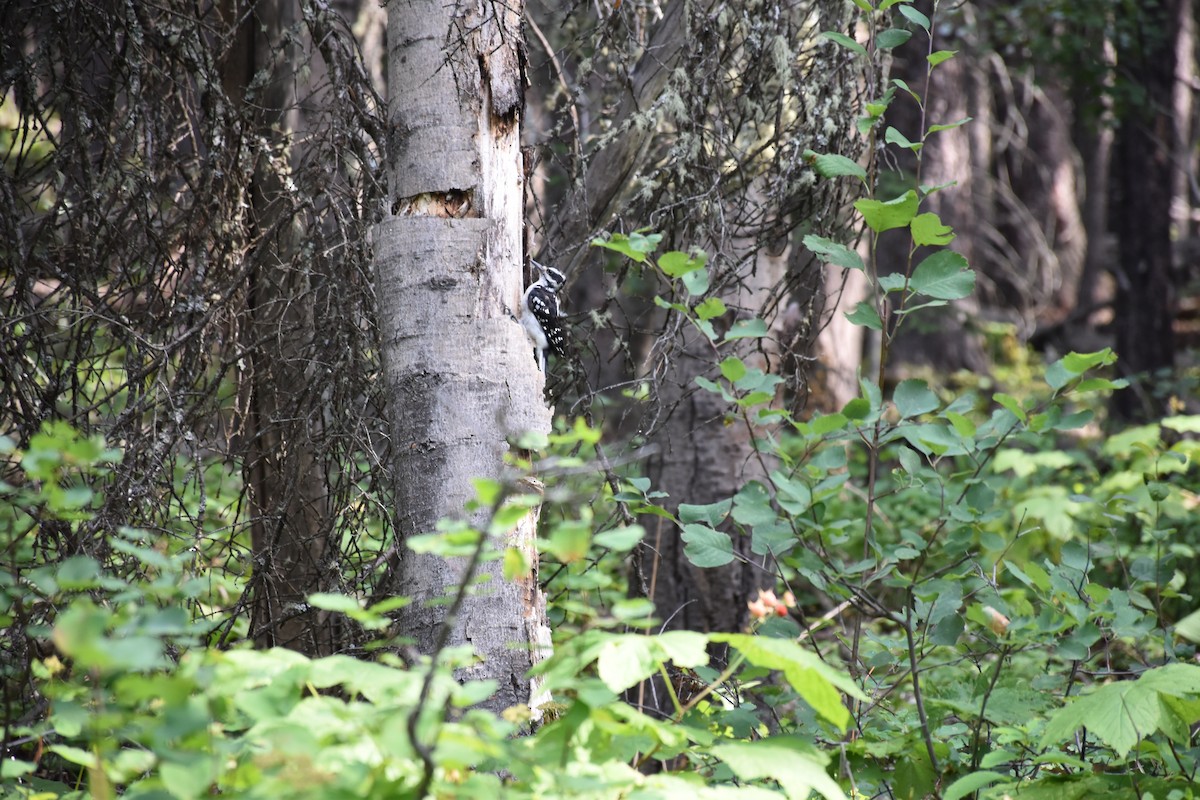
point(461, 377)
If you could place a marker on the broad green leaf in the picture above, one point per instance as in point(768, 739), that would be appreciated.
point(1184, 424)
point(683, 648)
point(797, 766)
point(827, 423)
point(813, 679)
point(937, 57)
point(696, 282)
point(963, 426)
point(620, 539)
point(733, 368)
point(626, 661)
point(712, 514)
point(1123, 713)
point(747, 329)
point(676, 263)
point(865, 314)
point(892, 37)
point(78, 572)
point(856, 409)
point(893, 136)
point(792, 495)
point(893, 282)
point(774, 539)
point(913, 397)
point(832, 165)
point(1189, 627)
point(1079, 363)
point(927, 228)
point(710, 308)
point(833, 253)
point(752, 505)
point(972, 783)
point(636, 245)
point(706, 547)
point(915, 16)
point(884, 216)
point(11, 768)
point(845, 41)
point(944, 276)
point(1009, 402)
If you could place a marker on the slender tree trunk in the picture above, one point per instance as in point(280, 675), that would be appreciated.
point(290, 519)
point(461, 376)
point(1144, 170)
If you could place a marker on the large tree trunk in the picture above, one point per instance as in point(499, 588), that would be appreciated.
point(1144, 169)
point(461, 377)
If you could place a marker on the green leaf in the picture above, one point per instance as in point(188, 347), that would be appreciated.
point(892, 37)
point(904, 85)
point(845, 41)
point(752, 505)
point(915, 16)
point(857, 409)
point(696, 282)
point(626, 661)
point(712, 514)
point(1189, 627)
point(948, 125)
point(893, 136)
point(865, 314)
point(733, 368)
point(636, 245)
point(11, 768)
point(1079, 363)
point(827, 423)
point(1123, 713)
point(1009, 402)
point(884, 216)
point(705, 547)
point(710, 308)
point(814, 680)
point(832, 165)
point(939, 56)
point(927, 229)
point(834, 253)
point(797, 766)
point(913, 397)
point(747, 329)
point(78, 572)
point(620, 539)
point(675, 263)
point(963, 426)
point(971, 783)
point(944, 276)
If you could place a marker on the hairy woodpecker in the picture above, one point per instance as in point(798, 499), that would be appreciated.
point(542, 316)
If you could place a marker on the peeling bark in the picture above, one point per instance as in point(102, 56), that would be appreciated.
point(462, 381)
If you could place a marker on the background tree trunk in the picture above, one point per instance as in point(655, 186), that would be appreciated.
point(289, 514)
point(460, 373)
point(1144, 310)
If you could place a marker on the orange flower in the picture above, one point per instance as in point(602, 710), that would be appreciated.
point(767, 604)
